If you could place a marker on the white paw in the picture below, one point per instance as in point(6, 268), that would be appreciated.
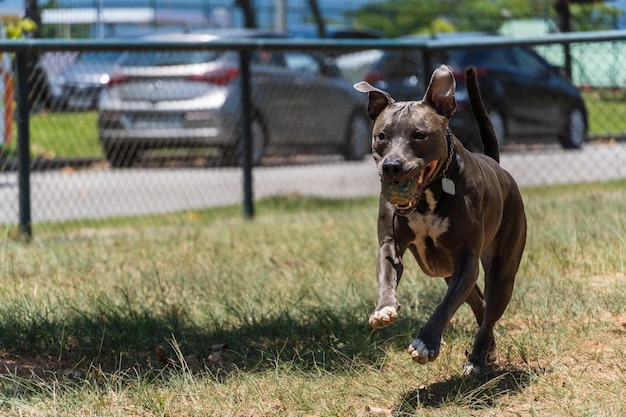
point(383, 317)
point(420, 353)
point(470, 369)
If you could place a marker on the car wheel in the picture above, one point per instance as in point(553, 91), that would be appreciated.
point(499, 125)
point(358, 139)
point(259, 141)
point(575, 132)
point(121, 156)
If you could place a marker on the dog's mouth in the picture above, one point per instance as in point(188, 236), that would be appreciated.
point(404, 195)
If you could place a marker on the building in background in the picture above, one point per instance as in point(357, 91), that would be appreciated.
point(104, 18)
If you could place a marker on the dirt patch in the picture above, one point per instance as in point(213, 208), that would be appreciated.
point(27, 365)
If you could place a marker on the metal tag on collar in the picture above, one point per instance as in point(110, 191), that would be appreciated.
point(447, 185)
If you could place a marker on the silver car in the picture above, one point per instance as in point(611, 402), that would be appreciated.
point(185, 99)
point(78, 84)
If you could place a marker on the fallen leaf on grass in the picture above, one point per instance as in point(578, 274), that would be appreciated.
point(215, 357)
point(162, 356)
point(377, 411)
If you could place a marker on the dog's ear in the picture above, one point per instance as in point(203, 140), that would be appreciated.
point(379, 99)
point(440, 92)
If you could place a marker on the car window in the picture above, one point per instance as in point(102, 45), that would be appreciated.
point(272, 58)
point(302, 62)
point(397, 64)
point(166, 58)
point(478, 57)
point(529, 61)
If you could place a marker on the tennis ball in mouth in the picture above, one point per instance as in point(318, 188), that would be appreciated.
point(400, 193)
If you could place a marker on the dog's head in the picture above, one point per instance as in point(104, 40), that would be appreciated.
point(409, 141)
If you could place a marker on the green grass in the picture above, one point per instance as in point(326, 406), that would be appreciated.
point(61, 135)
point(86, 306)
point(606, 112)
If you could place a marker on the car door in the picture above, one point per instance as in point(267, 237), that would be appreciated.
point(322, 102)
point(536, 105)
point(304, 108)
point(271, 93)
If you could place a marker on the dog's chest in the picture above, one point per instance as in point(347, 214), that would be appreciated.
point(428, 228)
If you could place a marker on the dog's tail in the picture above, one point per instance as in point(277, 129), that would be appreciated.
point(487, 133)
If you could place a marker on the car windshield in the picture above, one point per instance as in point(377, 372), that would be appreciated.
point(166, 58)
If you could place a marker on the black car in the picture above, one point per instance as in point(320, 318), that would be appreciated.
point(525, 96)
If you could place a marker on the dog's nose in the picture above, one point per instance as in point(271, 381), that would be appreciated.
point(392, 166)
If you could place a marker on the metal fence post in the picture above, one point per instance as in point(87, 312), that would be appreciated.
point(246, 120)
point(23, 145)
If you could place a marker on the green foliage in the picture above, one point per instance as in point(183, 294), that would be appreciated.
point(19, 29)
point(404, 17)
point(596, 16)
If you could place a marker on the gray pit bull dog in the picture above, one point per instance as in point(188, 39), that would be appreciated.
point(451, 208)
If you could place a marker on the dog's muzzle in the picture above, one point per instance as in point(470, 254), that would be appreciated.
point(404, 194)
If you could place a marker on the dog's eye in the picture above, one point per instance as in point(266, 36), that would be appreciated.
point(381, 137)
point(417, 135)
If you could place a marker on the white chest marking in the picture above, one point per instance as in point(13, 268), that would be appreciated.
point(427, 225)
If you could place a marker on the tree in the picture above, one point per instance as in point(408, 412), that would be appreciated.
point(400, 17)
point(586, 16)
point(404, 17)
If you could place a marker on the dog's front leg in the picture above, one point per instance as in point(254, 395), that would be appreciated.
point(388, 271)
point(425, 347)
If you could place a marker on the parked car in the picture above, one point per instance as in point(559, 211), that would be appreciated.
point(77, 86)
point(171, 99)
point(525, 96)
point(352, 63)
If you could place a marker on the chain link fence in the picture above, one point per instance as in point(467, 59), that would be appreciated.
point(127, 128)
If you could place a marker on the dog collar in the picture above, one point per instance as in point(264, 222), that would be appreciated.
point(447, 185)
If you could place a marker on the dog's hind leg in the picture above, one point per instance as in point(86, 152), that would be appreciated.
point(498, 290)
point(501, 266)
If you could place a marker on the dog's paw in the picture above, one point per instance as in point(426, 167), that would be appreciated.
point(383, 317)
point(420, 353)
point(470, 369)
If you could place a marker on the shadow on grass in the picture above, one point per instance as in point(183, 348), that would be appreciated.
point(474, 392)
point(115, 336)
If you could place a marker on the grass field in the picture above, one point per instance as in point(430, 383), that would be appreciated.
point(204, 313)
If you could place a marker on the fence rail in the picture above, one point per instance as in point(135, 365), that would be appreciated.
point(47, 135)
